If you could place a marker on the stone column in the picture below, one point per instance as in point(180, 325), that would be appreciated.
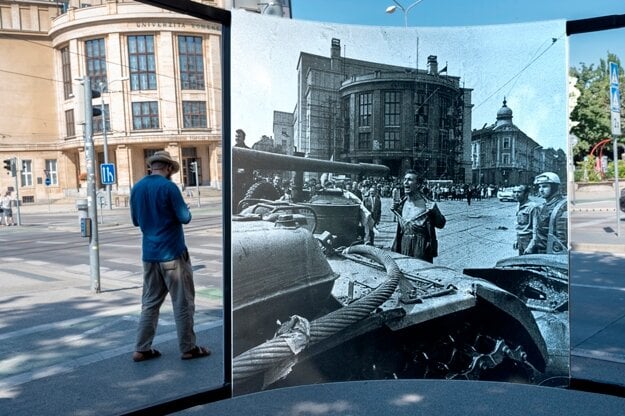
point(175, 151)
point(123, 158)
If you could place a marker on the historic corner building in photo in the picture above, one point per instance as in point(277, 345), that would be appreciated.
point(502, 155)
point(159, 74)
point(405, 118)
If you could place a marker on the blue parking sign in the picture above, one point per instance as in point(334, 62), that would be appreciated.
point(107, 173)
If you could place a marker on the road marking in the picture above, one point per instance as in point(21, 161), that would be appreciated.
point(51, 242)
point(599, 355)
point(590, 223)
point(212, 252)
point(620, 289)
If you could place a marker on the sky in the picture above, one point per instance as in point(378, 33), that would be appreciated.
point(520, 62)
point(587, 48)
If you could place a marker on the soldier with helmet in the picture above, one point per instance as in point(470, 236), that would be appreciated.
point(525, 217)
point(550, 234)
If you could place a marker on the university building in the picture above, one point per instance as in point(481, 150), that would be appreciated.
point(160, 81)
point(405, 118)
point(503, 155)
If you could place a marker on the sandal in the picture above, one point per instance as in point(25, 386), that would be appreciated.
point(145, 355)
point(196, 352)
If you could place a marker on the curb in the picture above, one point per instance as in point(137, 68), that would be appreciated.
point(592, 210)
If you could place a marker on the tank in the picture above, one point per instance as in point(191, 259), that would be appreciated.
point(334, 211)
point(307, 310)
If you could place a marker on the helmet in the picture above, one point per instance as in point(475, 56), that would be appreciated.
point(547, 177)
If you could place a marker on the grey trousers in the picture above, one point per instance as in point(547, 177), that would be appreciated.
point(176, 278)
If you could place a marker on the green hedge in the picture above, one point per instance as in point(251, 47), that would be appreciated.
point(592, 176)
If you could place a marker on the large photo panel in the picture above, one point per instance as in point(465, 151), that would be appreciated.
point(399, 203)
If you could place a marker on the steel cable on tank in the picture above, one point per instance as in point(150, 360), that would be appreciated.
point(277, 350)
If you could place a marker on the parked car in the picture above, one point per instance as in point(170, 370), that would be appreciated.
point(621, 200)
point(505, 194)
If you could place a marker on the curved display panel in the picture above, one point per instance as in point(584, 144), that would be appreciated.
point(376, 230)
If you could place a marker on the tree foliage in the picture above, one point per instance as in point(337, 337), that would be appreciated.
point(591, 116)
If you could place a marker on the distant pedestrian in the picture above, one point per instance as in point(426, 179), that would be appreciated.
point(396, 195)
point(7, 209)
point(374, 205)
point(239, 139)
point(157, 207)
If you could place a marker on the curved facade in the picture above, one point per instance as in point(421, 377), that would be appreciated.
point(406, 121)
point(362, 111)
point(160, 77)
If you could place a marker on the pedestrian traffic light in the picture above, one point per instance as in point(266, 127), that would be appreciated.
point(9, 165)
point(193, 166)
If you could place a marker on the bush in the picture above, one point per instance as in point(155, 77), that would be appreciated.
point(585, 171)
point(621, 170)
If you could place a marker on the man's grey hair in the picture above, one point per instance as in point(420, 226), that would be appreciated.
point(159, 165)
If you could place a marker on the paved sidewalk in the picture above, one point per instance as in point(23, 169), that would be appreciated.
point(593, 222)
point(125, 385)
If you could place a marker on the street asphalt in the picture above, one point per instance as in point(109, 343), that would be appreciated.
point(113, 384)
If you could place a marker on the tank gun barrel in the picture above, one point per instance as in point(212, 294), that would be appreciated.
point(256, 159)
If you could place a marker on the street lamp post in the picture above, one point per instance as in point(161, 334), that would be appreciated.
point(405, 10)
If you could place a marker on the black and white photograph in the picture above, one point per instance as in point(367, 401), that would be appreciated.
point(399, 203)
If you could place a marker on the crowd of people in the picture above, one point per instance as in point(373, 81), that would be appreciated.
point(417, 214)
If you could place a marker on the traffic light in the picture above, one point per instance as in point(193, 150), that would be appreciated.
point(193, 166)
point(9, 165)
point(84, 106)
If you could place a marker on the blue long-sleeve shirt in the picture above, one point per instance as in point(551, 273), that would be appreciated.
point(157, 207)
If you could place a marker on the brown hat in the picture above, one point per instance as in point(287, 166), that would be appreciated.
point(165, 157)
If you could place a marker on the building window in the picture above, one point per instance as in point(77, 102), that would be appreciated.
point(443, 140)
point(97, 121)
point(96, 62)
point(506, 143)
point(422, 140)
point(391, 140)
point(147, 153)
point(446, 113)
point(26, 175)
point(67, 73)
point(421, 109)
point(441, 169)
point(364, 109)
point(346, 124)
point(70, 126)
point(51, 171)
point(142, 62)
point(505, 158)
point(191, 62)
point(364, 141)
point(145, 115)
point(392, 108)
point(194, 114)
